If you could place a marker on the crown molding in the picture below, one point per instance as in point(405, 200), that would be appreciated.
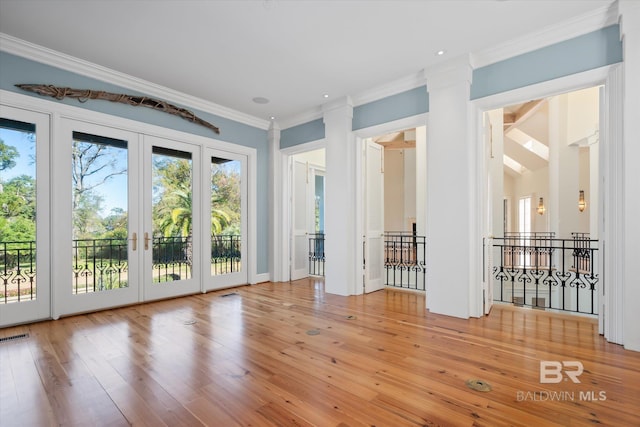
point(22, 48)
point(392, 88)
point(454, 71)
point(577, 26)
point(388, 89)
point(301, 118)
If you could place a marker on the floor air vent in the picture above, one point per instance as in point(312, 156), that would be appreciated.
point(13, 337)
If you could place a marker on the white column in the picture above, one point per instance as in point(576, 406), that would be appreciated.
point(454, 271)
point(341, 267)
point(278, 230)
point(421, 180)
point(495, 190)
point(562, 207)
point(630, 32)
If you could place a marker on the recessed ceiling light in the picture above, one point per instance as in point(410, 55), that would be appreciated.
point(326, 95)
point(272, 117)
point(441, 52)
point(260, 100)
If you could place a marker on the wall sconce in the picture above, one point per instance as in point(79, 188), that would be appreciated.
point(541, 208)
point(581, 203)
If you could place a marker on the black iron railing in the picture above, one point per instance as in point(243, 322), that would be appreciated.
point(99, 264)
point(18, 271)
point(316, 254)
point(172, 258)
point(226, 254)
point(545, 272)
point(405, 260)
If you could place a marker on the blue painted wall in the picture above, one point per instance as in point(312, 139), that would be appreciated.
point(301, 134)
point(15, 69)
point(394, 107)
point(593, 50)
point(586, 52)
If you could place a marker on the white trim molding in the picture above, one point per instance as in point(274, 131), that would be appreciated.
point(577, 26)
point(18, 47)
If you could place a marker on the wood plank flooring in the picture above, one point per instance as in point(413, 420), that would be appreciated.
point(287, 354)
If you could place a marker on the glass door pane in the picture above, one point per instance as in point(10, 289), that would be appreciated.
point(172, 215)
point(95, 212)
point(226, 259)
point(99, 214)
point(171, 240)
point(24, 277)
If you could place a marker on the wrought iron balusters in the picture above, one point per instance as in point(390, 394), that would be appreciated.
point(538, 270)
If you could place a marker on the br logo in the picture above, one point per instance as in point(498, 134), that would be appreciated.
point(551, 371)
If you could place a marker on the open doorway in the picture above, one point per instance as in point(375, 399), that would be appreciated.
point(402, 247)
point(307, 214)
point(544, 168)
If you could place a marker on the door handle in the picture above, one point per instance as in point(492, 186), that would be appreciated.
point(134, 240)
point(146, 241)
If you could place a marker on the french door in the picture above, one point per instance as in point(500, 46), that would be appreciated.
point(374, 216)
point(126, 218)
point(224, 254)
point(300, 223)
point(95, 217)
point(25, 286)
point(171, 232)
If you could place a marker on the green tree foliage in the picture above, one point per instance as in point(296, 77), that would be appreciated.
point(8, 154)
point(225, 199)
point(93, 165)
point(17, 201)
point(172, 211)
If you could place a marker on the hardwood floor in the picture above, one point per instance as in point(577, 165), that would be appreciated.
point(287, 354)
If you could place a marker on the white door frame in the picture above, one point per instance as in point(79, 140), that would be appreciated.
point(610, 157)
point(370, 132)
point(58, 111)
point(283, 257)
point(40, 308)
point(209, 281)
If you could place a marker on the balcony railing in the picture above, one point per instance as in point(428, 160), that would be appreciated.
point(99, 265)
point(102, 264)
point(405, 260)
point(544, 272)
point(17, 271)
point(226, 254)
point(316, 254)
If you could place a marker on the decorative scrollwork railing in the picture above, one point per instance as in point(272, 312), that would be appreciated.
point(405, 260)
point(316, 254)
point(545, 272)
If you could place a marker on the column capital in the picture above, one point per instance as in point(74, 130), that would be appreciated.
point(341, 106)
point(455, 71)
point(274, 130)
point(628, 16)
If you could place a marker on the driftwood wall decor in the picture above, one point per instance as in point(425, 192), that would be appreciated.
point(83, 95)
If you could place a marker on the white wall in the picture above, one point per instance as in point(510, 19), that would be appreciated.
point(394, 194)
point(584, 183)
point(510, 194)
point(399, 189)
point(409, 188)
point(315, 157)
point(535, 185)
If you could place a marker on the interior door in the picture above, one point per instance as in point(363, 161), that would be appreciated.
point(95, 195)
point(374, 216)
point(25, 286)
point(299, 221)
point(171, 230)
point(487, 283)
point(225, 251)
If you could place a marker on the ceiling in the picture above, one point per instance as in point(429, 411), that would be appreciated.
point(292, 53)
